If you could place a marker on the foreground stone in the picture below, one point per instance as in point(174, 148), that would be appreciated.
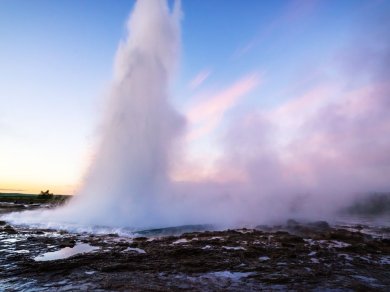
point(290, 257)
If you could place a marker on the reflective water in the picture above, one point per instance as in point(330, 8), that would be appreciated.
point(66, 252)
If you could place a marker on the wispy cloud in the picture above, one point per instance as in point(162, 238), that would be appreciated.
point(206, 115)
point(199, 79)
point(293, 11)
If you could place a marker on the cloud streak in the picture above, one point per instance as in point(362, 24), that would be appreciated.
point(292, 13)
point(206, 115)
point(199, 79)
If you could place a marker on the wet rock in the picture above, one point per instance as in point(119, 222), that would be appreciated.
point(319, 225)
point(311, 229)
point(263, 228)
point(134, 245)
point(118, 267)
point(345, 235)
point(254, 261)
point(143, 238)
point(123, 244)
point(2, 223)
point(9, 229)
point(67, 243)
point(291, 223)
point(385, 241)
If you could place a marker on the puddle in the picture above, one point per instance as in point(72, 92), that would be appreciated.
point(181, 240)
point(231, 275)
point(233, 248)
point(264, 258)
point(22, 251)
point(135, 249)
point(66, 252)
point(10, 240)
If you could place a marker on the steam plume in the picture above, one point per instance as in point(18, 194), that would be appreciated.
point(131, 163)
point(308, 157)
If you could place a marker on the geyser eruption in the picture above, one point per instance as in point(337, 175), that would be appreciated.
point(130, 165)
point(307, 157)
point(140, 125)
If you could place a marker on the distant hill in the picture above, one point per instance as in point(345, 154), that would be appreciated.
point(31, 198)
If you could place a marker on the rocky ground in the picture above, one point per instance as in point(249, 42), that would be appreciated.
point(294, 256)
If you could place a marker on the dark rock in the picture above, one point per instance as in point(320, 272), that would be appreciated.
point(142, 238)
point(263, 228)
point(281, 233)
point(9, 229)
point(320, 225)
point(291, 223)
point(291, 261)
point(67, 243)
point(385, 241)
point(346, 235)
point(118, 267)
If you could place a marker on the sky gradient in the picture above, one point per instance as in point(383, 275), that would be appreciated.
point(285, 59)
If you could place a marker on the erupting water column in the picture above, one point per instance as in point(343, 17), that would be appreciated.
point(129, 171)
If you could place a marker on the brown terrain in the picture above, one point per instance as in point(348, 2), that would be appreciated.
point(294, 256)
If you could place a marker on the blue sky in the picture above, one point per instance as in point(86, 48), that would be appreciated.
point(56, 63)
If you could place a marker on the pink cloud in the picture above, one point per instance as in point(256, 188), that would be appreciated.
point(336, 144)
point(199, 79)
point(206, 115)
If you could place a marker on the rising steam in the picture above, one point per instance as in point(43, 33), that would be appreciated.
point(131, 163)
point(126, 180)
point(330, 151)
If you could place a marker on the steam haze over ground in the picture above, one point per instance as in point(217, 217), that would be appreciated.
point(306, 157)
